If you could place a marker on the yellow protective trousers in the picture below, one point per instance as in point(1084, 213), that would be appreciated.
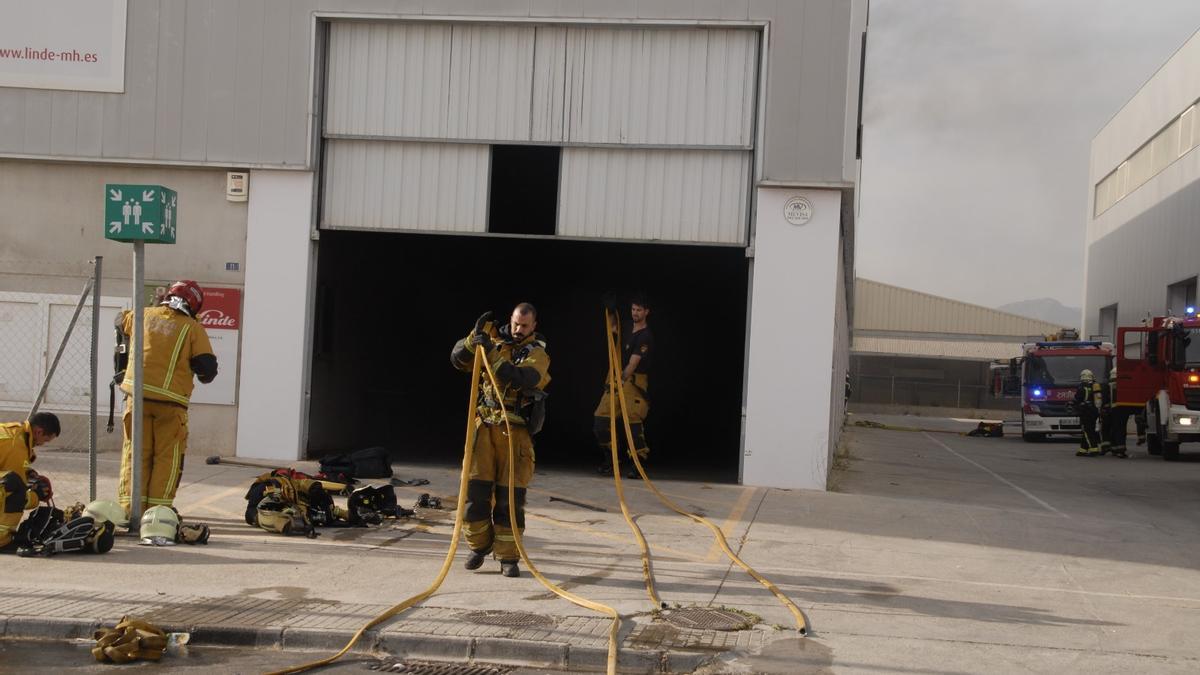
point(639, 408)
point(486, 519)
point(164, 443)
point(13, 502)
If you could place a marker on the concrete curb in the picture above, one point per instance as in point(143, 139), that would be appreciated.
point(456, 649)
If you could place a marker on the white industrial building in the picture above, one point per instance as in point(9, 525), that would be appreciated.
point(413, 163)
point(1143, 245)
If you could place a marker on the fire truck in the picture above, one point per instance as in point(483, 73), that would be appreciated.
point(1158, 370)
point(1049, 375)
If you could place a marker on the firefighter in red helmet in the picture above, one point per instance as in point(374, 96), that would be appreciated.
point(175, 349)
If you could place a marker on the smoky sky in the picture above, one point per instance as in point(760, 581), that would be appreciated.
point(977, 124)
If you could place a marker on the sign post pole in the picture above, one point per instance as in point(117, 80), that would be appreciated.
point(135, 360)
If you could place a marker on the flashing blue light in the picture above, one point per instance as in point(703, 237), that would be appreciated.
point(1037, 392)
point(1191, 310)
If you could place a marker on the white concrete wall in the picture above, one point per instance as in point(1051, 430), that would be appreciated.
point(793, 307)
point(275, 332)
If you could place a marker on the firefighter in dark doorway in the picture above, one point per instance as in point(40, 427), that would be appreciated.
point(21, 487)
point(175, 349)
point(637, 357)
point(517, 354)
point(1090, 399)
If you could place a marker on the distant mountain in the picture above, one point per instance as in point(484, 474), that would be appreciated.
point(1045, 309)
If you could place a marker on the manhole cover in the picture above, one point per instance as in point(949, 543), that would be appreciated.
point(707, 619)
point(417, 668)
point(495, 617)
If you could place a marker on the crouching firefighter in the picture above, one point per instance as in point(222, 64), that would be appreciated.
point(518, 357)
point(175, 349)
point(21, 488)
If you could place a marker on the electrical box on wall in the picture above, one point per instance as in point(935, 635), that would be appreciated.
point(237, 186)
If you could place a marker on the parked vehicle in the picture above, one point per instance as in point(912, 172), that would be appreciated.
point(1158, 370)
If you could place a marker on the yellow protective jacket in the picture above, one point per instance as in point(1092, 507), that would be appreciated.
point(522, 369)
point(17, 455)
point(172, 340)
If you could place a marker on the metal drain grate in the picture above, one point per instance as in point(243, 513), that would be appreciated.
point(496, 617)
point(707, 619)
point(419, 668)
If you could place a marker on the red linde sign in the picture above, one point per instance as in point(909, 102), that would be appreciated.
point(222, 309)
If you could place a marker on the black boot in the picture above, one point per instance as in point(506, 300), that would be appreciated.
point(475, 560)
point(509, 568)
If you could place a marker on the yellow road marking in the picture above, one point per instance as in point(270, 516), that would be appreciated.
point(714, 551)
point(212, 498)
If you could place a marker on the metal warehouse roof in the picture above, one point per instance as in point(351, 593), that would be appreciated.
point(894, 321)
point(881, 307)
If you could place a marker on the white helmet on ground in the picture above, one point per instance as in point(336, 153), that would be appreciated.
point(103, 510)
point(160, 526)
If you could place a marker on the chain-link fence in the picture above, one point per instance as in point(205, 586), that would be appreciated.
point(889, 390)
point(53, 357)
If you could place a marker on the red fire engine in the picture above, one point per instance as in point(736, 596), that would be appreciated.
point(1158, 370)
point(1049, 373)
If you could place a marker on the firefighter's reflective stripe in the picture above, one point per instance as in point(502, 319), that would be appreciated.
point(175, 356)
point(167, 393)
point(176, 472)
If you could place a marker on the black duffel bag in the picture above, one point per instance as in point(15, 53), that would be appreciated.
point(365, 463)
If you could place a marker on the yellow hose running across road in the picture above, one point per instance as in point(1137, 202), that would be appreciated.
point(614, 359)
point(468, 451)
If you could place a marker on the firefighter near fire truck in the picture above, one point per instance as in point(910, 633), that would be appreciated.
point(1090, 400)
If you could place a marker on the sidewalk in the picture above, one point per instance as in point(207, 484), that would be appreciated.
point(943, 553)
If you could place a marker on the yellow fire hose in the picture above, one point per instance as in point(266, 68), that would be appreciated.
point(614, 374)
point(468, 451)
point(614, 369)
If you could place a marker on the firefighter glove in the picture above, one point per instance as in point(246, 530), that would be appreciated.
point(481, 322)
point(482, 340)
point(40, 486)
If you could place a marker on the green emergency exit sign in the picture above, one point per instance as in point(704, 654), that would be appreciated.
point(140, 213)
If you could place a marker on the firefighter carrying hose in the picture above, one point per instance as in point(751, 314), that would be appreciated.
point(518, 356)
point(1090, 399)
point(175, 349)
point(21, 487)
point(637, 347)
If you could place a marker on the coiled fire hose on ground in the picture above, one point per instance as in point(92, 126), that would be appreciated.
point(614, 375)
point(480, 365)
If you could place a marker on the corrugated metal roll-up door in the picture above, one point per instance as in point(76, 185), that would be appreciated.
point(429, 81)
point(655, 195)
point(679, 87)
point(429, 187)
point(656, 124)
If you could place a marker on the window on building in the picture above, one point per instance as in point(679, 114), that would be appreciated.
point(524, 189)
point(1171, 142)
point(1181, 296)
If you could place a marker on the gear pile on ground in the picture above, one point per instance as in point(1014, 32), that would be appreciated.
point(287, 501)
point(131, 640)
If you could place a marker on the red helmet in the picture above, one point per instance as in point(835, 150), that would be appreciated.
point(188, 291)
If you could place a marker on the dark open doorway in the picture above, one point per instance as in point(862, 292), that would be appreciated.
point(390, 307)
